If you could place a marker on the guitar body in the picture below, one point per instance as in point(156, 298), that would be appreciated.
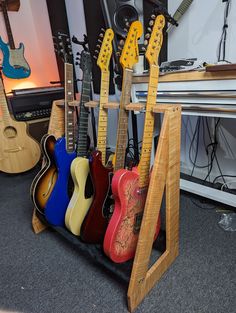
point(123, 230)
point(82, 196)
point(46, 178)
point(14, 64)
point(18, 151)
point(57, 203)
point(95, 223)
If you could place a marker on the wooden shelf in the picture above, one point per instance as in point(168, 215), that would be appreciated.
point(187, 76)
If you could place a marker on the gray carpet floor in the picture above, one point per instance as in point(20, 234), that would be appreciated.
point(46, 274)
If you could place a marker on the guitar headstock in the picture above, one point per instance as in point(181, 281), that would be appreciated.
point(130, 51)
point(105, 47)
point(62, 46)
point(85, 62)
point(155, 39)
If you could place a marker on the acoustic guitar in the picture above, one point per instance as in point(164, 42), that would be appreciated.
point(14, 64)
point(19, 152)
point(96, 220)
point(130, 187)
point(83, 190)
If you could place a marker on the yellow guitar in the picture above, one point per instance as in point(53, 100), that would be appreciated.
point(18, 151)
point(83, 191)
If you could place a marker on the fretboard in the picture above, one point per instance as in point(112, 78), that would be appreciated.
point(69, 110)
point(121, 141)
point(4, 113)
point(144, 164)
point(102, 119)
point(83, 116)
point(8, 26)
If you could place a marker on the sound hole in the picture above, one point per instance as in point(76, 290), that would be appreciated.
point(10, 132)
point(125, 13)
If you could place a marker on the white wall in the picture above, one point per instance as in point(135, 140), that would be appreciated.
point(198, 35)
point(199, 31)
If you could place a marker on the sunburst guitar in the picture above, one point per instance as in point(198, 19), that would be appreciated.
point(18, 151)
point(130, 187)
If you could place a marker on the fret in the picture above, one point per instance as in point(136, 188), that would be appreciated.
point(144, 165)
point(103, 115)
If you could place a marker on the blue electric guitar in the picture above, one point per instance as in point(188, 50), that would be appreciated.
point(64, 149)
point(14, 64)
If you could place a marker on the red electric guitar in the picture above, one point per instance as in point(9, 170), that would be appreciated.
point(130, 187)
point(96, 221)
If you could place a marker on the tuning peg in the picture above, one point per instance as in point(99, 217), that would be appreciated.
point(95, 57)
point(147, 36)
point(78, 53)
point(153, 16)
point(96, 51)
point(151, 23)
point(121, 42)
point(143, 49)
point(149, 29)
point(145, 42)
point(99, 40)
point(119, 48)
point(76, 63)
point(127, 24)
point(103, 30)
point(125, 29)
point(118, 53)
point(101, 35)
point(98, 46)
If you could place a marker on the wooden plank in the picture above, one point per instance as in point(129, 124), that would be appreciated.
point(112, 105)
point(187, 76)
point(91, 104)
point(135, 107)
point(166, 171)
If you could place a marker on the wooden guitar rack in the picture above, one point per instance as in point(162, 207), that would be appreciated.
point(165, 177)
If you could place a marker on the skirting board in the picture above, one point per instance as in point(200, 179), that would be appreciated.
point(208, 192)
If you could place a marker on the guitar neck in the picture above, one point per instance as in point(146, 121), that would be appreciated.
point(69, 110)
point(4, 112)
point(83, 116)
point(103, 114)
point(144, 165)
point(7, 24)
point(121, 141)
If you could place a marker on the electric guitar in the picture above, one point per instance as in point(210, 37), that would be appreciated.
point(18, 151)
point(129, 57)
point(95, 223)
point(44, 182)
point(130, 187)
point(64, 153)
point(14, 64)
point(83, 190)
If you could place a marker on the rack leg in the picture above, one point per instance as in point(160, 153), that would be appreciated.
point(165, 176)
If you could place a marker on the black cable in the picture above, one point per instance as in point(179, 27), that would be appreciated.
point(223, 38)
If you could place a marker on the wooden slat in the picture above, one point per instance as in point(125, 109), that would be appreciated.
point(91, 104)
point(135, 107)
point(112, 105)
point(187, 76)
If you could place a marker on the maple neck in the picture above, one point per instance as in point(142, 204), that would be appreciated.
point(121, 141)
point(7, 24)
point(103, 114)
point(4, 112)
point(144, 164)
point(69, 110)
point(83, 116)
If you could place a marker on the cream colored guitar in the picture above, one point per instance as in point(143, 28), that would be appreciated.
point(83, 191)
point(18, 151)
